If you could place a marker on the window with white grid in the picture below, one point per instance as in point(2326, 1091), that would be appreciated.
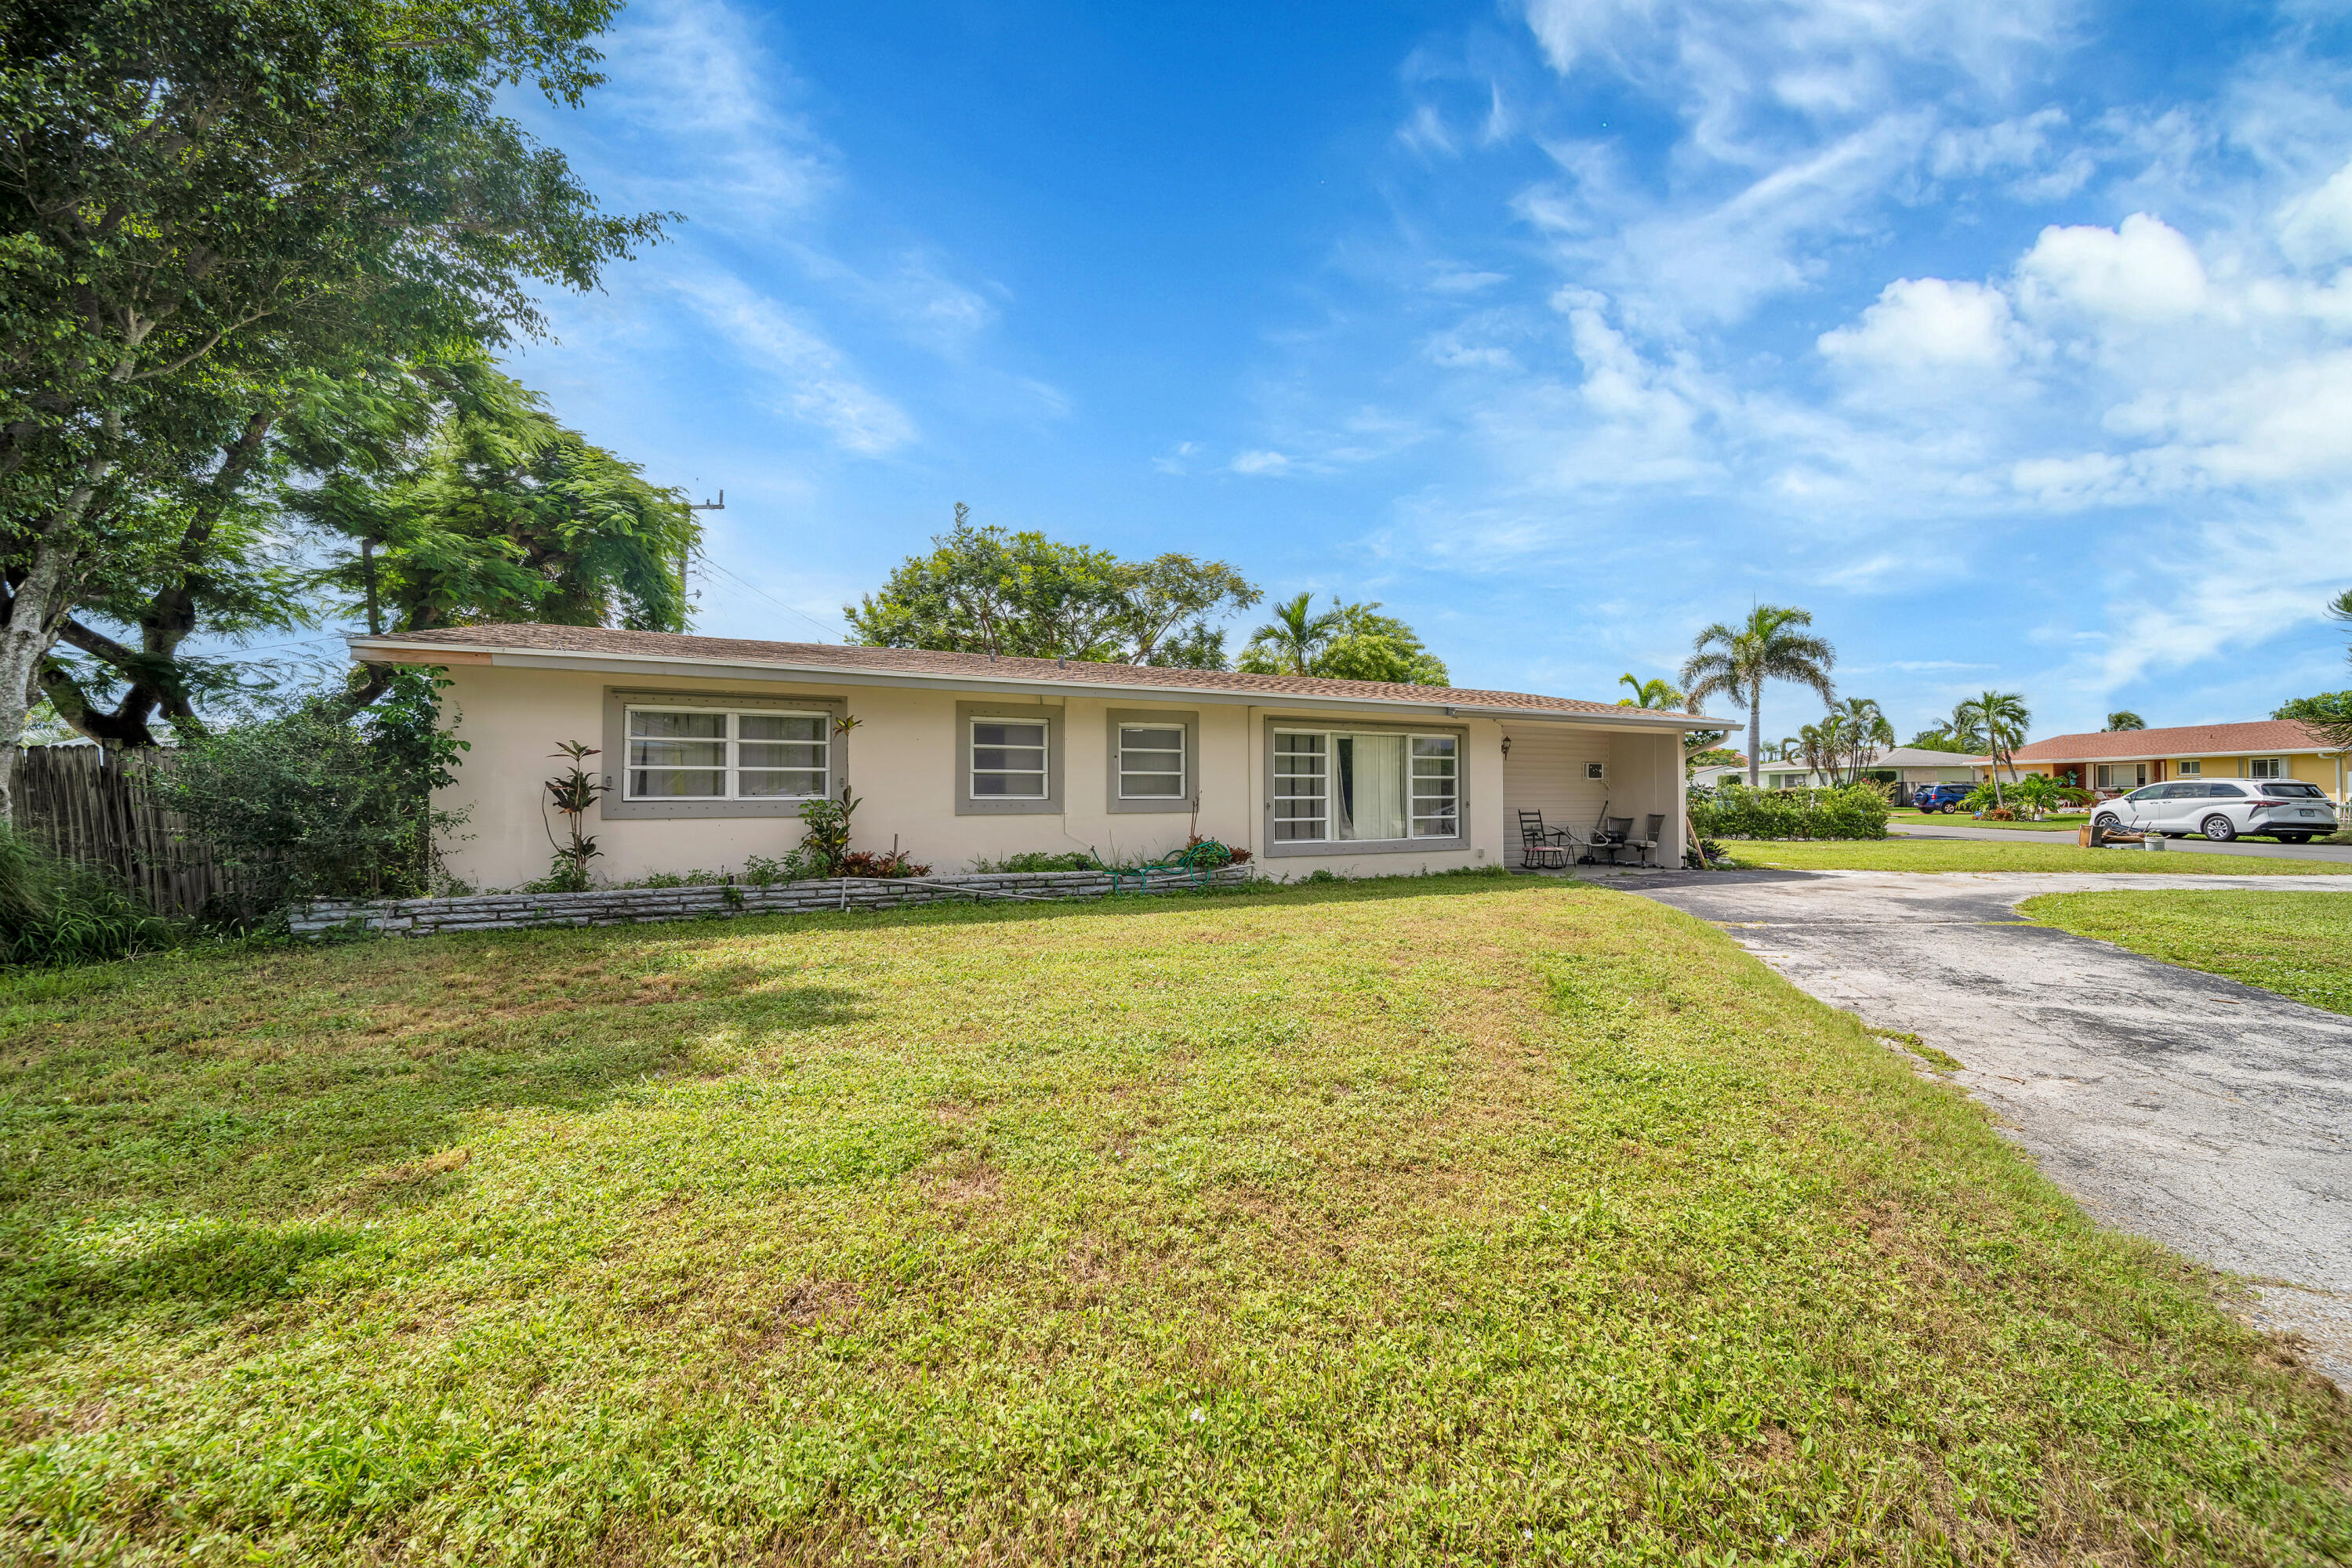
point(1008, 759)
point(1338, 785)
point(709, 753)
point(1151, 761)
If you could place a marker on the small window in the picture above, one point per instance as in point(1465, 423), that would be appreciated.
point(2224, 792)
point(1150, 762)
point(686, 754)
point(1437, 792)
point(2300, 791)
point(2266, 768)
point(1302, 788)
point(1008, 759)
point(2191, 769)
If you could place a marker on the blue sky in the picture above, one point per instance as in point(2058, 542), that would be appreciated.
point(2013, 340)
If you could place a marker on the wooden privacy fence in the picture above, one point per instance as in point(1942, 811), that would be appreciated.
point(95, 806)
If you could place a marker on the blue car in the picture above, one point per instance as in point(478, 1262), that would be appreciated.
point(1945, 799)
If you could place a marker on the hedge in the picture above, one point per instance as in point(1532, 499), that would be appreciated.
point(1856, 811)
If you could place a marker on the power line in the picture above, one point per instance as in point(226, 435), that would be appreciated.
point(753, 588)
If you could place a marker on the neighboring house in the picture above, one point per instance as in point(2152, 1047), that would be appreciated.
point(710, 746)
point(1905, 765)
point(2127, 758)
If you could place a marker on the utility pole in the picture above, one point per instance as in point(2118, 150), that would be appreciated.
point(686, 552)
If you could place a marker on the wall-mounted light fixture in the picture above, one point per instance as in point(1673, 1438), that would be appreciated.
point(1507, 748)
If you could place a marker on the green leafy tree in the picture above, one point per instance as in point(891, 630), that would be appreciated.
point(198, 195)
point(1738, 658)
point(985, 590)
point(2330, 712)
point(2124, 718)
point(2002, 718)
point(435, 496)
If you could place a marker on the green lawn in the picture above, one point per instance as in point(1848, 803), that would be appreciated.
point(2299, 945)
point(1976, 855)
point(2062, 822)
point(1446, 1220)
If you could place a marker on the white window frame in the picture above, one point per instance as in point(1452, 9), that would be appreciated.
point(730, 756)
point(2277, 766)
point(1330, 755)
point(2194, 769)
point(1043, 771)
point(1183, 772)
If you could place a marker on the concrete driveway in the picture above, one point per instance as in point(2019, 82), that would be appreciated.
point(2212, 1116)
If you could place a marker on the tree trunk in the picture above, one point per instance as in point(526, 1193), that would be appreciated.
point(36, 608)
point(1755, 735)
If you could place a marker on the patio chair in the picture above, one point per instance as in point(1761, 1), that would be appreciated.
point(1540, 848)
point(1653, 826)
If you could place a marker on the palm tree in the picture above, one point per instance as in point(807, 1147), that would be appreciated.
point(1295, 635)
point(1964, 727)
point(1659, 694)
point(2125, 719)
point(2001, 717)
point(1865, 729)
point(1738, 659)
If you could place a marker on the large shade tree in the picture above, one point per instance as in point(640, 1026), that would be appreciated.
point(204, 199)
point(1020, 595)
point(1738, 658)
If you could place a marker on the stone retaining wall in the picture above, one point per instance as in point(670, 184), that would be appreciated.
point(630, 905)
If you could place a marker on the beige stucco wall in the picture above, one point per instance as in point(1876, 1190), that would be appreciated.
point(902, 765)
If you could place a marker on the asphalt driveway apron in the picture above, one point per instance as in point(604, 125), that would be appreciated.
point(2212, 1116)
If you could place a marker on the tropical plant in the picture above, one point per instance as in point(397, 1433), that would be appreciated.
point(1659, 694)
point(2124, 718)
point(982, 590)
point(825, 843)
point(573, 793)
point(2038, 793)
point(1737, 659)
point(2001, 717)
point(1346, 642)
point(1862, 730)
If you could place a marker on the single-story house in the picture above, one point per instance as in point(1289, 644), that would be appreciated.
point(1909, 767)
point(710, 746)
point(2127, 758)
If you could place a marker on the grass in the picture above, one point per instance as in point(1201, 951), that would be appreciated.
point(1977, 855)
point(2058, 822)
point(2299, 945)
point(1440, 1220)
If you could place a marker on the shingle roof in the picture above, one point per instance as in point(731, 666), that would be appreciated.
point(531, 638)
point(2182, 741)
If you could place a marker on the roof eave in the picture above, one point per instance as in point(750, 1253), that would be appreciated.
point(361, 644)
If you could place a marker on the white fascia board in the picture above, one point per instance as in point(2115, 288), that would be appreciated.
point(709, 670)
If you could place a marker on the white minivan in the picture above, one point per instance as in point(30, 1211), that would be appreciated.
point(2223, 809)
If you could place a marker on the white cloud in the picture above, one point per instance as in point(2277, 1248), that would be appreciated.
point(1177, 458)
point(1261, 463)
point(2317, 227)
point(1927, 325)
point(2142, 271)
point(822, 388)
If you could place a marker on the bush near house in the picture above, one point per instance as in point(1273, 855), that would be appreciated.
point(1856, 811)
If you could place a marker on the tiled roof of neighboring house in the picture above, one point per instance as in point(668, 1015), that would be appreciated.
point(969, 666)
point(1925, 757)
point(2183, 740)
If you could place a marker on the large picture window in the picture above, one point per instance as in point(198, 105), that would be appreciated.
point(1008, 759)
point(1347, 786)
point(701, 753)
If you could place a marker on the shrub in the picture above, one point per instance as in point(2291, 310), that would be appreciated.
point(61, 912)
point(1856, 811)
point(873, 863)
point(318, 801)
point(1039, 860)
